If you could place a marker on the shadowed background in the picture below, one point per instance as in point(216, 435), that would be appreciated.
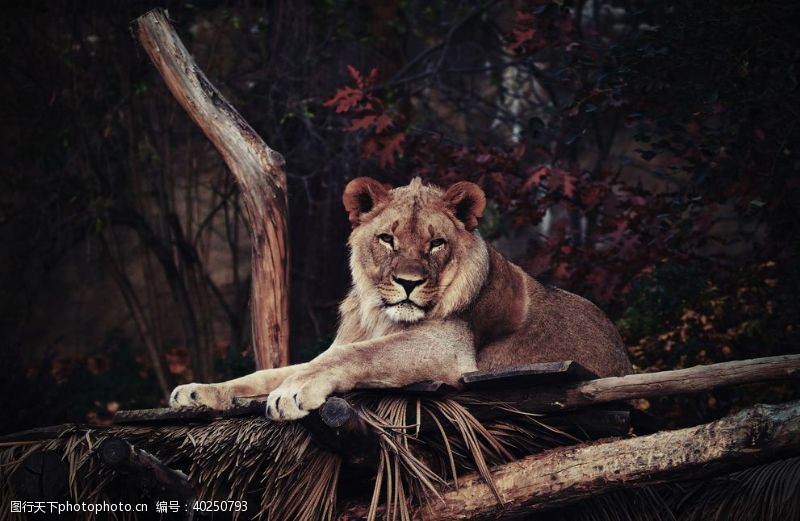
point(642, 154)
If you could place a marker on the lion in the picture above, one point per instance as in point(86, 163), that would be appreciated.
point(430, 300)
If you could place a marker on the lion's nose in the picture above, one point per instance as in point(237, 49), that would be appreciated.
point(408, 284)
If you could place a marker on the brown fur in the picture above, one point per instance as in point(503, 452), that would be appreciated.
point(430, 301)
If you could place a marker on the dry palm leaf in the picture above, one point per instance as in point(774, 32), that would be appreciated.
point(424, 443)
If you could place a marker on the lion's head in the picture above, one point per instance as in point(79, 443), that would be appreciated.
point(415, 250)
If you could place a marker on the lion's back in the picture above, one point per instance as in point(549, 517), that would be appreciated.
point(551, 325)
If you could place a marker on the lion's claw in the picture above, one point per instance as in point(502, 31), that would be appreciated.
point(296, 397)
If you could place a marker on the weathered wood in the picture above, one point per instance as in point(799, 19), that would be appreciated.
point(257, 170)
point(664, 383)
point(186, 414)
point(152, 475)
point(166, 415)
point(547, 373)
point(249, 408)
point(337, 427)
point(336, 412)
point(565, 475)
point(425, 388)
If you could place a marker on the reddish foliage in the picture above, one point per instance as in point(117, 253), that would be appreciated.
point(371, 116)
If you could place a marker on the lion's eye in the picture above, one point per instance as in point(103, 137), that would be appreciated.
point(437, 242)
point(386, 238)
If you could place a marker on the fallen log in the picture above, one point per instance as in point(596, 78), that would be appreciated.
point(257, 170)
point(565, 475)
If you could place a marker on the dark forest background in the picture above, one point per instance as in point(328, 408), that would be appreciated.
point(643, 154)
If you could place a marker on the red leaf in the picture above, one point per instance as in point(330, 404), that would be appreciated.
point(373, 75)
point(362, 123)
point(535, 177)
point(345, 99)
point(361, 81)
point(369, 147)
point(355, 75)
point(383, 123)
point(393, 146)
point(569, 185)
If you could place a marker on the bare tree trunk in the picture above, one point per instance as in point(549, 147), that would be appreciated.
point(257, 170)
point(566, 475)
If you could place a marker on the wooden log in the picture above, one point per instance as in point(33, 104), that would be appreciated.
point(424, 388)
point(547, 373)
point(258, 172)
point(338, 428)
point(664, 383)
point(161, 481)
point(165, 415)
point(565, 475)
point(337, 412)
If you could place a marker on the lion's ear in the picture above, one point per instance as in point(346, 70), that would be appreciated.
point(467, 202)
point(361, 195)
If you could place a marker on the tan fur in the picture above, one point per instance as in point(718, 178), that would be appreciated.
point(430, 301)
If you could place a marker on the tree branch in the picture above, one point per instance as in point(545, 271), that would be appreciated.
point(257, 170)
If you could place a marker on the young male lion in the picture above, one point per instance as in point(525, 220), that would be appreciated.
point(430, 301)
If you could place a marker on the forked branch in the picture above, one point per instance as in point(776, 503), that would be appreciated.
point(257, 169)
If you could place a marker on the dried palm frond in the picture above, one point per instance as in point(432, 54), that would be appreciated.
point(424, 443)
point(420, 435)
point(769, 492)
point(225, 459)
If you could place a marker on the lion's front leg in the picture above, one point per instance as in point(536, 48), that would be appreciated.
point(437, 351)
point(222, 395)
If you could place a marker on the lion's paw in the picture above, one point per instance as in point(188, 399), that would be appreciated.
point(295, 398)
point(199, 395)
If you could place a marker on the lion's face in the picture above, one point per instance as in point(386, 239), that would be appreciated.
point(414, 250)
